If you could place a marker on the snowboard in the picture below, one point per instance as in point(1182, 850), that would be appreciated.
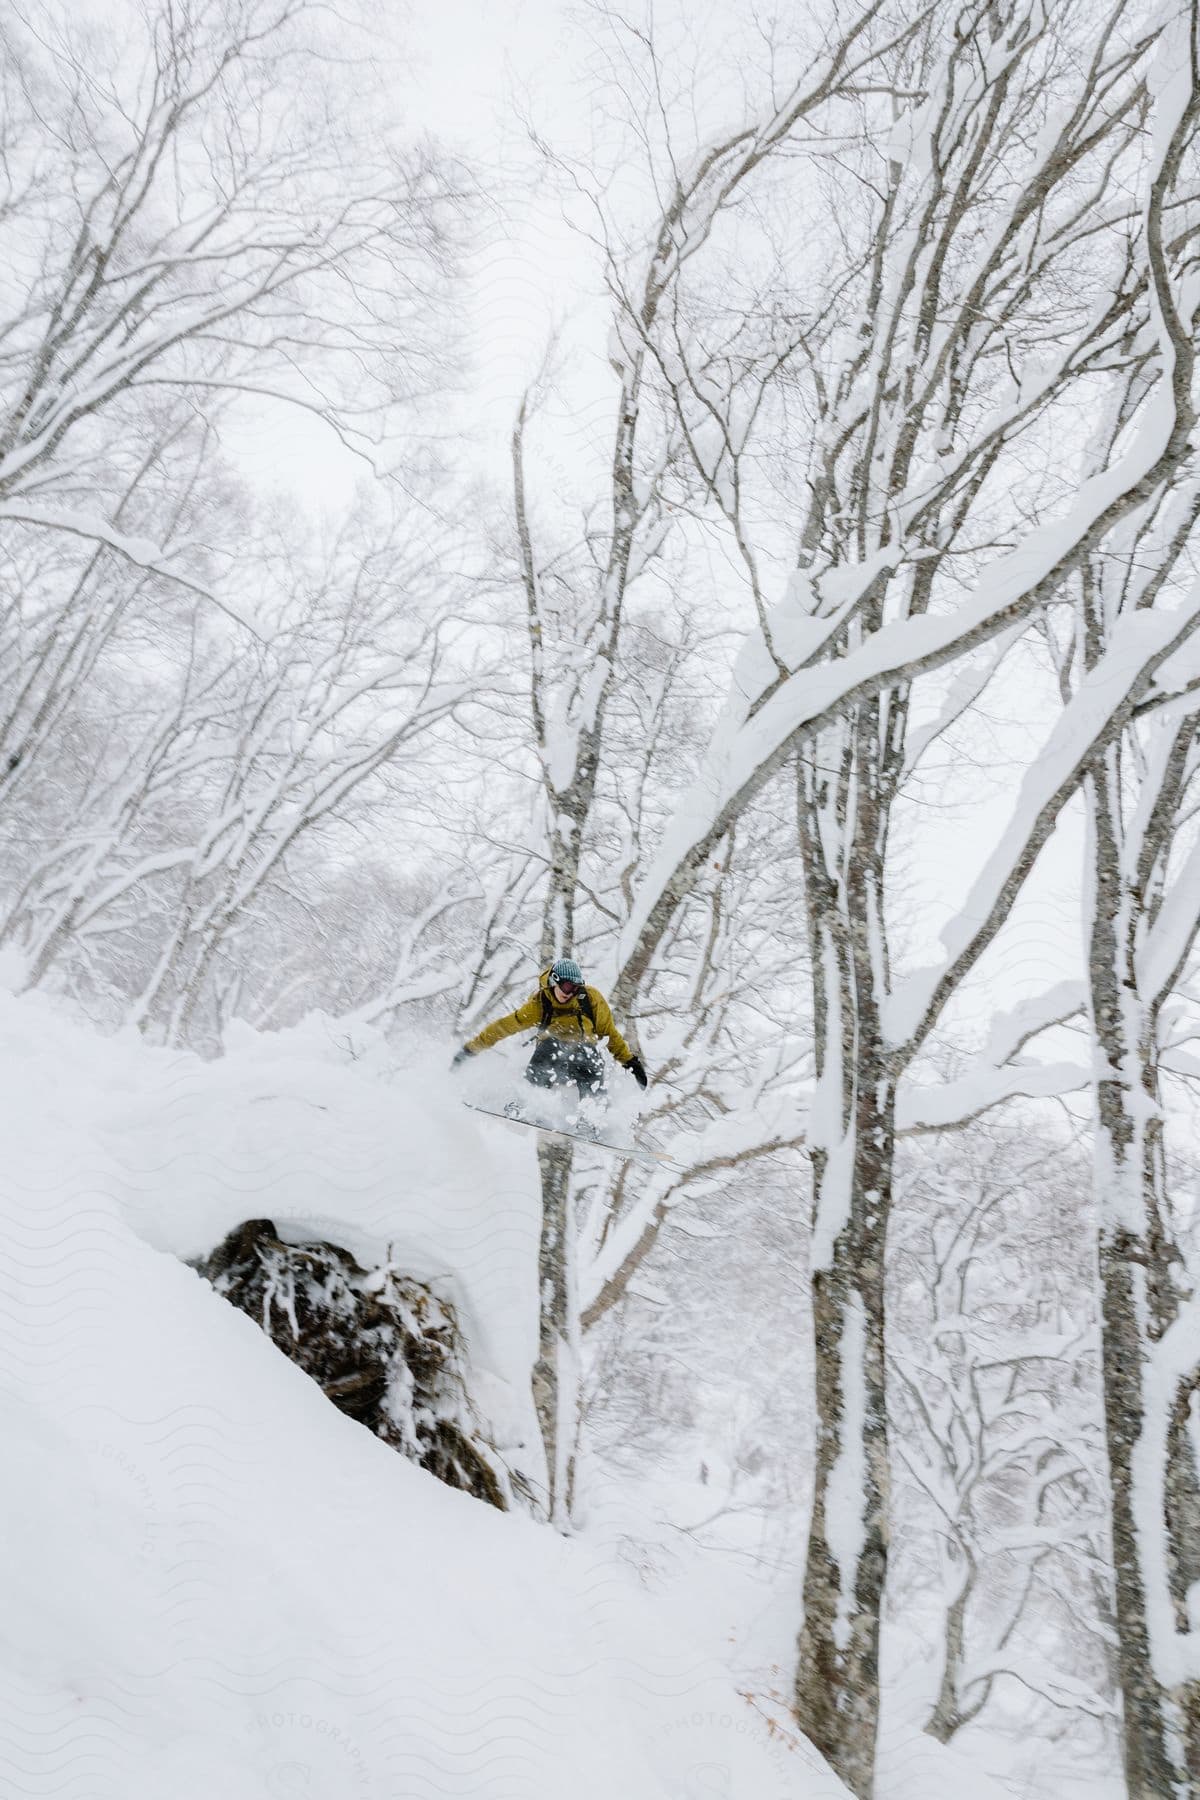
point(631, 1152)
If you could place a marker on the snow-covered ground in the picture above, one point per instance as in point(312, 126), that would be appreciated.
point(215, 1584)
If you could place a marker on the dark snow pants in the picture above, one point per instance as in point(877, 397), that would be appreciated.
point(556, 1062)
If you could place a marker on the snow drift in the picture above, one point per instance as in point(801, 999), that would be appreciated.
point(219, 1583)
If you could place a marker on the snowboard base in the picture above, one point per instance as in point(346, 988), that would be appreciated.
point(631, 1152)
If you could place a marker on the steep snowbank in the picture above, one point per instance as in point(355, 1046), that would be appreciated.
point(217, 1583)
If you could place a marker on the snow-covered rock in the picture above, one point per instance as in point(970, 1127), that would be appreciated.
point(216, 1582)
point(380, 1345)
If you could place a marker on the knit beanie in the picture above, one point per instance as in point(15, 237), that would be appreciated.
point(566, 970)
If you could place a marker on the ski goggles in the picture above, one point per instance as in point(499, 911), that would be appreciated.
point(569, 988)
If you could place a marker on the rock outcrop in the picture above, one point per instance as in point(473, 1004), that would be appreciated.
point(382, 1346)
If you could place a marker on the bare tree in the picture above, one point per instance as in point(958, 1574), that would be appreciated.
point(1142, 921)
point(569, 714)
point(194, 814)
point(937, 365)
point(199, 218)
point(956, 335)
point(996, 1417)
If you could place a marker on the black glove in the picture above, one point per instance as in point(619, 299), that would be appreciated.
point(460, 1056)
point(637, 1070)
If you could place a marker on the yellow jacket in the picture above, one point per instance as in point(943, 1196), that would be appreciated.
point(573, 1019)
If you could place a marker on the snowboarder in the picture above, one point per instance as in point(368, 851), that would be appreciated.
point(570, 1019)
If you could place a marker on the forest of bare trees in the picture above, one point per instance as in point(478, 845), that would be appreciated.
point(890, 544)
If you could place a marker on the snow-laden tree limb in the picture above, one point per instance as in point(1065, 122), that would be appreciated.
point(957, 1103)
point(1101, 706)
point(142, 553)
point(729, 1144)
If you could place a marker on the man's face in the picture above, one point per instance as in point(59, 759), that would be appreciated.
point(564, 991)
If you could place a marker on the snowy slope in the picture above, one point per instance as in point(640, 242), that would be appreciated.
point(314, 1129)
point(216, 1585)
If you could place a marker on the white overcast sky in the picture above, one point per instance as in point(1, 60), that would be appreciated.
point(462, 66)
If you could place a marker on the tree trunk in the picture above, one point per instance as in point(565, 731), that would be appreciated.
point(853, 1147)
point(948, 1715)
point(569, 787)
point(837, 1682)
point(1139, 1302)
point(1148, 1767)
point(556, 1373)
point(1183, 1546)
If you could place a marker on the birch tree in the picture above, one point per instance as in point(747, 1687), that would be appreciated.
point(608, 698)
point(190, 210)
point(64, 602)
point(568, 724)
point(1141, 920)
point(190, 820)
point(1139, 934)
point(995, 283)
point(997, 1422)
